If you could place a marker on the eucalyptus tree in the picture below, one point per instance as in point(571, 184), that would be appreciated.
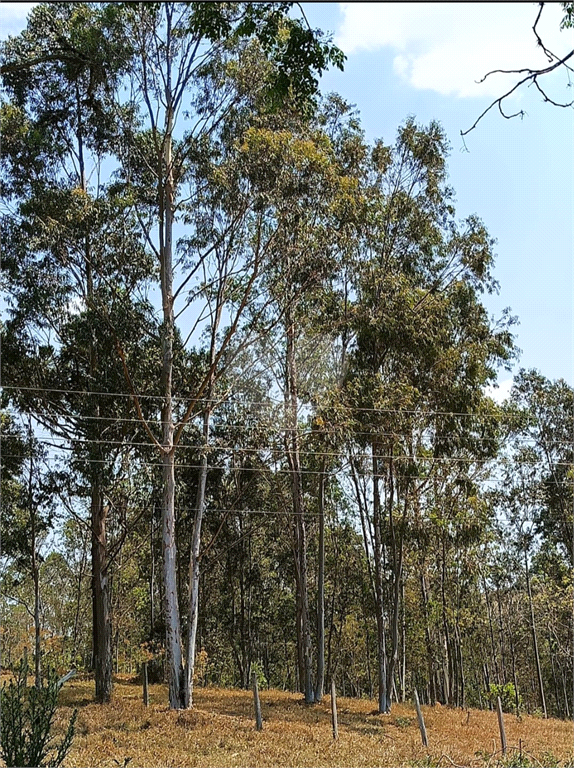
point(422, 345)
point(543, 415)
point(520, 499)
point(68, 242)
point(25, 521)
point(190, 62)
point(311, 197)
point(535, 502)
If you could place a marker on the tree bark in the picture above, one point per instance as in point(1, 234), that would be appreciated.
point(35, 571)
point(397, 552)
point(534, 637)
point(428, 637)
point(299, 531)
point(102, 634)
point(320, 683)
point(384, 697)
point(194, 566)
point(171, 603)
point(403, 645)
point(166, 193)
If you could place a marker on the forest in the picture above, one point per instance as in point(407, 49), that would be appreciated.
point(246, 361)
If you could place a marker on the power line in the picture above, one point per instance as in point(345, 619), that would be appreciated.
point(213, 447)
point(279, 429)
point(411, 457)
point(267, 403)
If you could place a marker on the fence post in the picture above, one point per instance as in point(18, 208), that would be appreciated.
point(145, 685)
point(501, 724)
point(258, 720)
point(334, 710)
point(420, 718)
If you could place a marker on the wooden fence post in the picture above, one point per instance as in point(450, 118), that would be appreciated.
point(258, 720)
point(501, 724)
point(145, 685)
point(420, 718)
point(334, 711)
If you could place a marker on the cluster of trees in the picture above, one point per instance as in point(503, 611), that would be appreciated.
point(244, 417)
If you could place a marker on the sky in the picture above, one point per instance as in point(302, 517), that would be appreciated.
point(424, 59)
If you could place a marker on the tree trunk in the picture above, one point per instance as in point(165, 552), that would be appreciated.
point(397, 552)
point(501, 635)
point(403, 645)
point(564, 688)
point(171, 603)
point(102, 634)
point(535, 638)
point(35, 572)
point(384, 697)
point(492, 644)
point(194, 565)
point(428, 638)
point(320, 683)
point(447, 645)
point(513, 659)
point(166, 213)
point(102, 628)
point(299, 531)
point(79, 599)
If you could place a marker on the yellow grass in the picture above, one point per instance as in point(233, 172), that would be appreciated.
point(220, 732)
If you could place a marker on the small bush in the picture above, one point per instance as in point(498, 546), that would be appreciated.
point(507, 695)
point(27, 719)
point(403, 722)
point(520, 759)
point(262, 681)
point(425, 762)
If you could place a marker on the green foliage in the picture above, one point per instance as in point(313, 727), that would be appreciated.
point(403, 722)
point(26, 737)
point(521, 759)
point(426, 762)
point(507, 693)
point(299, 54)
point(262, 681)
point(568, 20)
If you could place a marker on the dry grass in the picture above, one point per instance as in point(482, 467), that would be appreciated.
point(220, 731)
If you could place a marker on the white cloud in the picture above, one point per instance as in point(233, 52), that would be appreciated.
point(447, 47)
point(13, 18)
point(500, 392)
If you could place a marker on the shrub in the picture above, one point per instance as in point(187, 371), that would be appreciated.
point(262, 681)
point(507, 695)
point(27, 718)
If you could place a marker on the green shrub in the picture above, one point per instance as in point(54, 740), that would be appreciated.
point(425, 762)
point(261, 679)
point(518, 759)
point(507, 695)
point(27, 719)
point(403, 722)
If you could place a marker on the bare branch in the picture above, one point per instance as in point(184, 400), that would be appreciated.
point(549, 55)
point(531, 76)
point(548, 99)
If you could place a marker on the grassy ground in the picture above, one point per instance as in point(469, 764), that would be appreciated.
point(220, 731)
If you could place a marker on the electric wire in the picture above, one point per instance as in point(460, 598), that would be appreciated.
point(268, 403)
point(216, 447)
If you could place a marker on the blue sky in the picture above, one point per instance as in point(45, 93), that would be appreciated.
point(423, 59)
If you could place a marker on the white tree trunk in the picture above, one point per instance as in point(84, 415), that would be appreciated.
point(194, 568)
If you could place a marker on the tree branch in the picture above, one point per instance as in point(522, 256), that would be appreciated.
point(531, 76)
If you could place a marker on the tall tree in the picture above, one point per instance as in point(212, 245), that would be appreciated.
point(180, 52)
point(422, 343)
point(66, 261)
